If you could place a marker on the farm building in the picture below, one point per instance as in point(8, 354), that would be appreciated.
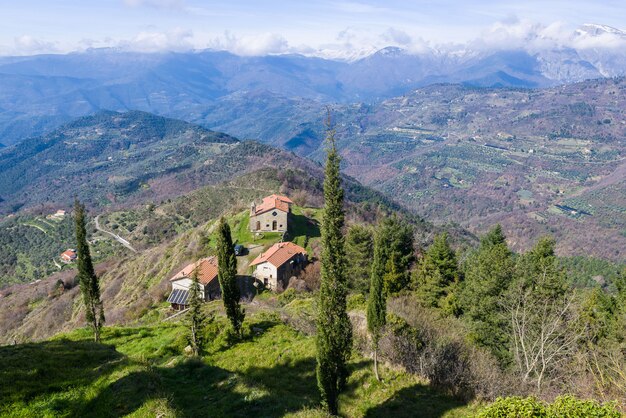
point(206, 269)
point(271, 215)
point(276, 265)
point(68, 256)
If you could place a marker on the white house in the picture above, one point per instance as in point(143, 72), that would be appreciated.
point(206, 269)
point(276, 265)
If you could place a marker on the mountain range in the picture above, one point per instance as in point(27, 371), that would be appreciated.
point(39, 93)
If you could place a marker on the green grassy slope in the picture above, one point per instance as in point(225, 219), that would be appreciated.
point(142, 372)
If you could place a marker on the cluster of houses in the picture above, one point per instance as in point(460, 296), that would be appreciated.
point(272, 269)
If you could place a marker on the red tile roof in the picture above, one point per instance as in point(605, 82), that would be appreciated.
point(273, 202)
point(206, 267)
point(278, 254)
point(69, 254)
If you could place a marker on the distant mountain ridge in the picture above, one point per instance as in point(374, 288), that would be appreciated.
point(41, 92)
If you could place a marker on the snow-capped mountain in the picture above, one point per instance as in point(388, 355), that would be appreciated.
point(599, 30)
point(40, 92)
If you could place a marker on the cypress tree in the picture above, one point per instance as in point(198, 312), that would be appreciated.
point(87, 279)
point(377, 303)
point(196, 316)
point(334, 330)
point(227, 276)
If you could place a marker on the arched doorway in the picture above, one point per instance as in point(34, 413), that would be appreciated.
point(273, 225)
point(258, 225)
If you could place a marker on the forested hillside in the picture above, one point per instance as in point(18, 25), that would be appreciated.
point(543, 161)
point(111, 158)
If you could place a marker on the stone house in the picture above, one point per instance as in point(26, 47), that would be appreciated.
point(281, 261)
point(206, 269)
point(271, 215)
point(69, 256)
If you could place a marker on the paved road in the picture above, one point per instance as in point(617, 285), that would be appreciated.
point(116, 237)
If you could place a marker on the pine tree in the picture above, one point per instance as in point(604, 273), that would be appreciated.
point(438, 275)
point(494, 237)
point(227, 276)
point(488, 273)
point(89, 283)
point(397, 253)
point(540, 271)
point(196, 316)
point(359, 250)
point(334, 330)
point(377, 303)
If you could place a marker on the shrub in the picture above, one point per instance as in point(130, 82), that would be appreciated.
point(286, 297)
point(401, 343)
point(568, 406)
point(562, 407)
point(356, 301)
point(436, 349)
point(515, 407)
point(311, 276)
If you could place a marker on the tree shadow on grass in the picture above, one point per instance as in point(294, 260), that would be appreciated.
point(415, 401)
point(195, 389)
point(81, 378)
point(28, 371)
point(300, 225)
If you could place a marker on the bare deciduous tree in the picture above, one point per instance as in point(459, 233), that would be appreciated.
point(543, 334)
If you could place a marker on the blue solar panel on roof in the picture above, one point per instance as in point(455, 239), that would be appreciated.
point(178, 296)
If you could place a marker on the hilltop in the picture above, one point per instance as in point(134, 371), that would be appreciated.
point(146, 179)
point(113, 157)
point(166, 232)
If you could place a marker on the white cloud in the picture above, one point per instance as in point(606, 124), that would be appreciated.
point(154, 41)
point(28, 45)
point(531, 36)
point(397, 36)
point(251, 45)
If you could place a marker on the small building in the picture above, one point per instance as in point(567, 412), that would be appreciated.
point(206, 269)
point(271, 215)
point(69, 256)
point(58, 215)
point(276, 265)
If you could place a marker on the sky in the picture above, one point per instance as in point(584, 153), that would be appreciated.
point(325, 27)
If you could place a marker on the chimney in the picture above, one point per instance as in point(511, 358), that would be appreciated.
point(253, 209)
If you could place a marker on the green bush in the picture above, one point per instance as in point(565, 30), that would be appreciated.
point(356, 301)
point(562, 407)
point(515, 406)
point(287, 296)
point(568, 406)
